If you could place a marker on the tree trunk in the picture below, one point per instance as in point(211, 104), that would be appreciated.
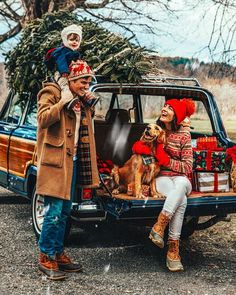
point(37, 8)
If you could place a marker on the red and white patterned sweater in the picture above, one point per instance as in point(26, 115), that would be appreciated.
point(179, 148)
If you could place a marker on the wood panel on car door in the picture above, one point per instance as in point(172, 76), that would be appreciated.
point(21, 153)
point(4, 142)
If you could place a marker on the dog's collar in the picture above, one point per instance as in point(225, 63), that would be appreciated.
point(148, 159)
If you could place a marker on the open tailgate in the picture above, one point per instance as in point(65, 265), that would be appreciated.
point(199, 204)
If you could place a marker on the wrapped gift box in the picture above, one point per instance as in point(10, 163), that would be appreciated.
point(209, 160)
point(212, 182)
point(207, 143)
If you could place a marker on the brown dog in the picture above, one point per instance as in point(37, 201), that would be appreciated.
point(233, 177)
point(130, 177)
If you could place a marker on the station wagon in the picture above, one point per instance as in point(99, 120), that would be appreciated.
point(120, 117)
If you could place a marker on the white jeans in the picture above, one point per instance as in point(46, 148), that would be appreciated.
point(176, 189)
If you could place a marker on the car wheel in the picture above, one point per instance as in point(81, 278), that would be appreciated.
point(37, 212)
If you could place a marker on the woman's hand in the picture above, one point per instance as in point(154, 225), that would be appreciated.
point(161, 155)
point(139, 147)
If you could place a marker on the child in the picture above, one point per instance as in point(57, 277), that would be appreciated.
point(63, 56)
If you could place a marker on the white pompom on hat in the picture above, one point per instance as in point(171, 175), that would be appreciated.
point(72, 29)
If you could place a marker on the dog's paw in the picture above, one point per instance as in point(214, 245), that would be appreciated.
point(139, 196)
point(158, 196)
point(115, 191)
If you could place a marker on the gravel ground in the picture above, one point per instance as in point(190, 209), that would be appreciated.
point(119, 261)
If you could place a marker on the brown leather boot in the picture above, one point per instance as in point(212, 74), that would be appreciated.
point(158, 229)
point(50, 268)
point(64, 263)
point(173, 260)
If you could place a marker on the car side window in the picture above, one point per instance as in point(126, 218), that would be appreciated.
point(200, 121)
point(151, 107)
point(102, 106)
point(122, 101)
point(31, 116)
point(15, 109)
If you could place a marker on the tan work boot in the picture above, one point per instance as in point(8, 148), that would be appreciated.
point(64, 263)
point(158, 229)
point(50, 268)
point(173, 260)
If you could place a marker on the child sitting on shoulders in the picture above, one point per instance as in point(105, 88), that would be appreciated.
point(62, 56)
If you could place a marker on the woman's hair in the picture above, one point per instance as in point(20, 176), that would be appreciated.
point(174, 126)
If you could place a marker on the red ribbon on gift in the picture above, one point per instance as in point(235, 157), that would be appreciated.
point(208, 158)
point(231, 154)
point(216, 182)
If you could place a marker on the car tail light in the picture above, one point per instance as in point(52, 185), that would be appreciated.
point(87, 194)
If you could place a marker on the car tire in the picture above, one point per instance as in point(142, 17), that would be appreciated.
point(37, 213)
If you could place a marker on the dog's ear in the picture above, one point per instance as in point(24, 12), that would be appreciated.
point(142, 138)
point(162, 136)
point(115, 174)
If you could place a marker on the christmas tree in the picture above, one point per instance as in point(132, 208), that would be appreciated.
point(109, 54)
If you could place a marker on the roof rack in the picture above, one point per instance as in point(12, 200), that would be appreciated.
point(171, 80)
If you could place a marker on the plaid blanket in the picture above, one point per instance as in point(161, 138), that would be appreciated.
point(87, 165)
point(83, 152)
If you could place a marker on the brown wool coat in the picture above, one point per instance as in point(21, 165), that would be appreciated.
point(55, 145)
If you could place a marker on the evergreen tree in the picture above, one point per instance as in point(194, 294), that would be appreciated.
point(107, 53)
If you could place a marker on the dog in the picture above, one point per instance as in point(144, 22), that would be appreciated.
point(130, 177)
point(233, 177)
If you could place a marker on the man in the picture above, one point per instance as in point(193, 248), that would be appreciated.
point(64, 133)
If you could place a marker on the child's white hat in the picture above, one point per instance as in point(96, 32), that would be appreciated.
point(72, 29)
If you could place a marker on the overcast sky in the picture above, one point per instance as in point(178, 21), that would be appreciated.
point(188, 31)
point(191, 34)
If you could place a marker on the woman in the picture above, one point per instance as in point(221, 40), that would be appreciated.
point(176, 160)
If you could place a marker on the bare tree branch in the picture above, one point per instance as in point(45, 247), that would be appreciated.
point(131, 16)
point(15, 16)
point(32, 9)
point(11, 33)
point(102, 4)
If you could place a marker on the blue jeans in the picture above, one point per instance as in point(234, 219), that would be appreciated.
point(57, 212)
point(51, 240)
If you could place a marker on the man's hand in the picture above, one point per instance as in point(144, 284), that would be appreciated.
point(88, 96)
point(89, 100)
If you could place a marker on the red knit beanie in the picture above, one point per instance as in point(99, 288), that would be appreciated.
point(182, 108)
point(79, 69)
